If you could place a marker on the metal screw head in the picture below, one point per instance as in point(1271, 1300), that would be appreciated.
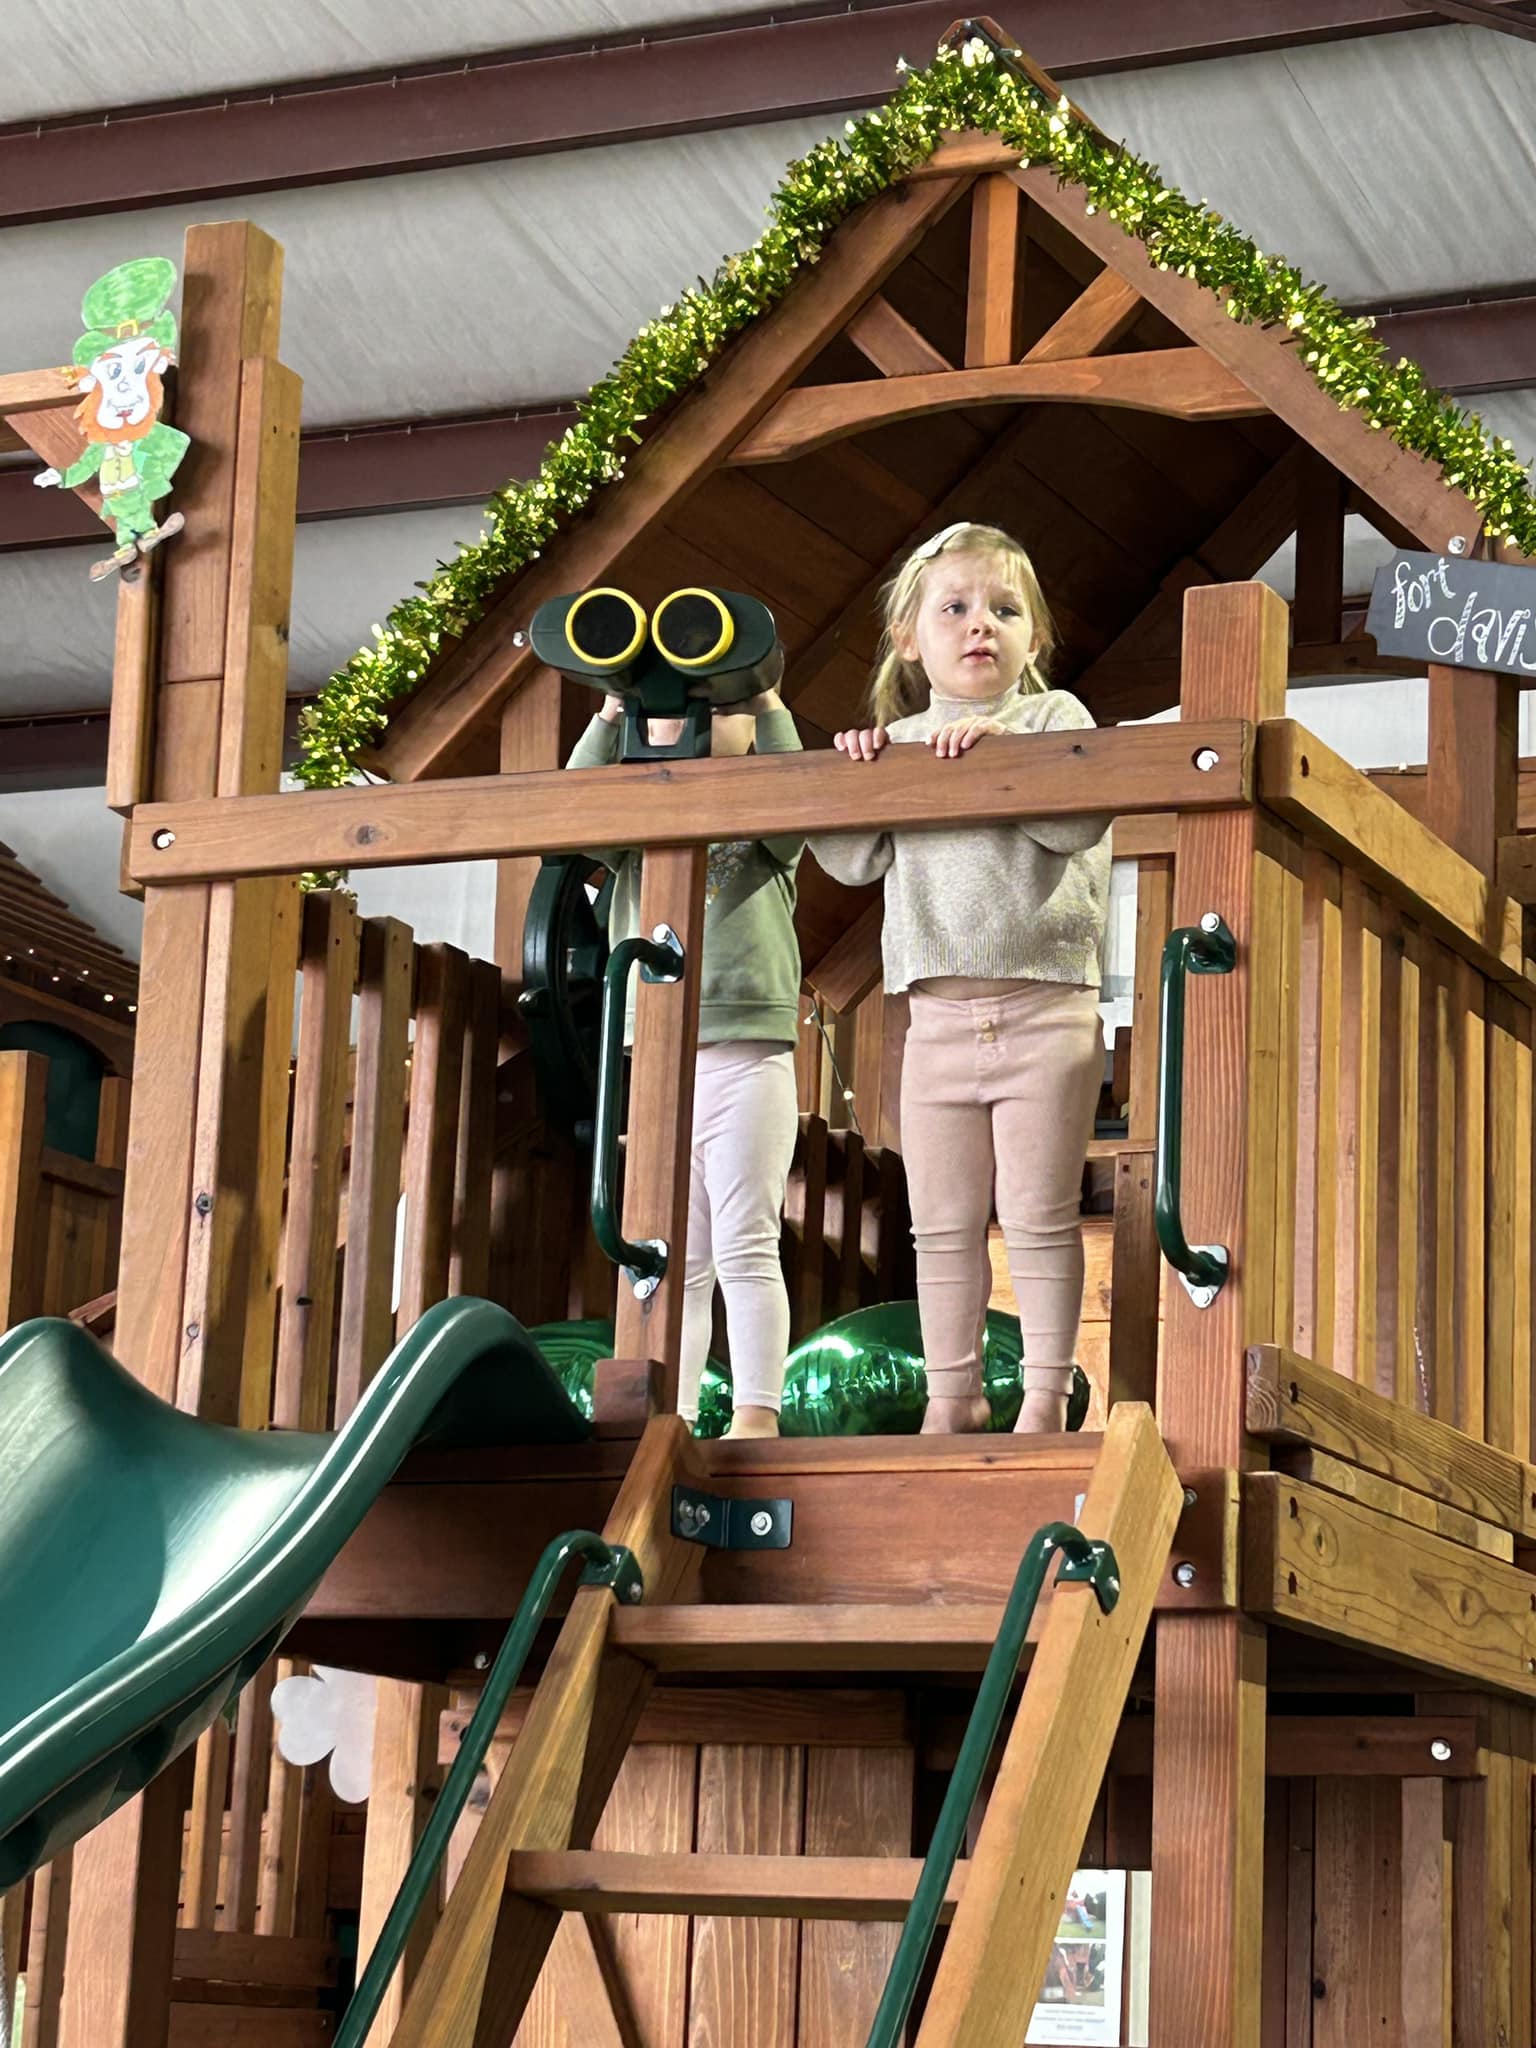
point(203, 1202)
point(685, 1511)
point(163, 838)
point(761, 1522)
point(480, 1660)
point(703, 1514)
point(1211, 921)
point(1457, 544)
point(645, 1288)
point(635, 1594)
point(519, 638)
point(1184, 1574)
point(1190, 1496)
point(1440, 1750)
point(1206, 759)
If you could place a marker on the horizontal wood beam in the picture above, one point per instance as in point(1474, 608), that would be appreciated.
point(873, 1717)
point(607, 90)
point(640, 804)
point(1338, 1746)
point(740, 1887)
point(448, 1539)
point(23, 391)
point(1343, 810)
point(1338, 1569)
point(1182, 383)
point(1292, 1401)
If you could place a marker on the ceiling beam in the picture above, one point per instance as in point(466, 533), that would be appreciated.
point(400, 467)
point(1481, 345)
point(537, 101)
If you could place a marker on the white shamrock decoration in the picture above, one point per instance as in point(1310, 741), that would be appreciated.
point(329, 1713)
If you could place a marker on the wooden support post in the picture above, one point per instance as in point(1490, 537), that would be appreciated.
point(1472, 789)
point(23, 1094)
point(405, 1779)
point(641, 1379)
point(1208, 1795)
point(530, 739)
point(1321, 494)
point(328, 955)
point(214, 728)
point(117, 1960)
point(45, 1953)
point(378, 1128)
point(991, 297)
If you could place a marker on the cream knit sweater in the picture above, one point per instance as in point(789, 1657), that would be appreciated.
point(1021, 902)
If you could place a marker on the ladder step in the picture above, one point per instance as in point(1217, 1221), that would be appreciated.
point(747, 1887)
point(912, 1637)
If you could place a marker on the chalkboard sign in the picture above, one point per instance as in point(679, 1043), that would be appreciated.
point(1455, 612)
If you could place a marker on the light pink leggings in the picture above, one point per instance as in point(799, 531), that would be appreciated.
point(998, 1093)
point(745, 1121)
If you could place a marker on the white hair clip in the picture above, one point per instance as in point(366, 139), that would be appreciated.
point(940, 541)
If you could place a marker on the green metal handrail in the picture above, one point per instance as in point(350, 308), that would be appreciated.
point(607, 1564)
point(1206, 948)
point(661, 959)
point(1090, 1562)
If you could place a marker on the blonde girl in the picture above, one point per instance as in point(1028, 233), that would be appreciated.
point(996, 930)
point(745, 1103)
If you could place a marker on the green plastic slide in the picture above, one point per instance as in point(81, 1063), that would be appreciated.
point(150, 1563)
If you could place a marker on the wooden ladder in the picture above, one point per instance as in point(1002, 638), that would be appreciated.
point(529, 1862)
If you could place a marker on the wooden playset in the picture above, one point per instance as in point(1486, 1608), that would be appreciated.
point(1311, 1711)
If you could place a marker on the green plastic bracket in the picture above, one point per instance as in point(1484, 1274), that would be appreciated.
point(1206, 948)
point(726, 1524)
point(1082, 1560)
point(660, 958)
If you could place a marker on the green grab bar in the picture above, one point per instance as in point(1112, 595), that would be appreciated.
point(1089, 1562)
point(1205, 948)
point(661, 959)
point(607, 1564)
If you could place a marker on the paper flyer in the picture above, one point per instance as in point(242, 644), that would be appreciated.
point(1080, 2005)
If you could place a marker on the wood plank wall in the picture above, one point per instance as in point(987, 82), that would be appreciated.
point(1410, 1077)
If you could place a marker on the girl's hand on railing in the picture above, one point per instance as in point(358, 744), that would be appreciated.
point(861, 743)
point(954, 739)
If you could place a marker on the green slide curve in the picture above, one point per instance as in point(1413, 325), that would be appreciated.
point(150, 1562)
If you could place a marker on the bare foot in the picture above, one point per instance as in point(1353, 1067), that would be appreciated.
point(956, 1415)
point(747, 1422)
point(1043, 1414)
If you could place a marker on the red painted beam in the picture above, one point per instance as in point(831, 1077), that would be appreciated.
point(532, 102)
point(1485, 345)
point(402, 467)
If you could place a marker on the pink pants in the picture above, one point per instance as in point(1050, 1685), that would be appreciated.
point(745, 1121)
point(998, 1094)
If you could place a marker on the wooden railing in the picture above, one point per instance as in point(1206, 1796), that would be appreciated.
point(1404, 1048)
point(60, 1217)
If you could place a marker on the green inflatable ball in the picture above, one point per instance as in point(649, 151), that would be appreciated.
point(860, 1376)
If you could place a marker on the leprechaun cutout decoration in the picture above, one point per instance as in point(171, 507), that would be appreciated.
point(130, 338)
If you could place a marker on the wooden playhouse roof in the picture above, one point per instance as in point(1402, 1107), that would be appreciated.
point(45, 944)
point(977, 341)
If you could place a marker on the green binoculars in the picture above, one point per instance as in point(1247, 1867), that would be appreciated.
point(699, 651)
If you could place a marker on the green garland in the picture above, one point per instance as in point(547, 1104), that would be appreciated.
point(963, 88)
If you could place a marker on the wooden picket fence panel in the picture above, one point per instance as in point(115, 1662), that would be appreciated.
point(1411, 1080)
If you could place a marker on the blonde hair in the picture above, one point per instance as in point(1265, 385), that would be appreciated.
point(899, 686)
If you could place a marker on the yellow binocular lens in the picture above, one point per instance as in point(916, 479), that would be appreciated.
point(606, 628)
point(693, 628)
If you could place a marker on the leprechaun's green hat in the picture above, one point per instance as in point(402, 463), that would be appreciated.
point(127, 302)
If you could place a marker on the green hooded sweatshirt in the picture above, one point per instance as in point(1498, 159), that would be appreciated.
point(751, 986)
